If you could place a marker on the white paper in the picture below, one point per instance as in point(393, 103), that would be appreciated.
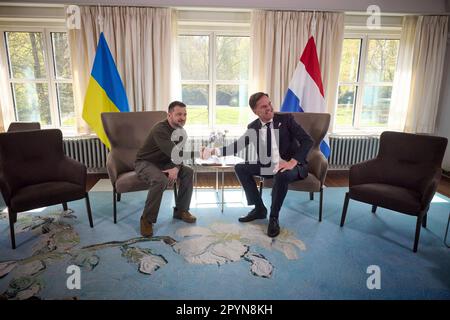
point(219, 161)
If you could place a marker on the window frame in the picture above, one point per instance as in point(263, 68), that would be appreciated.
point(212, 81)
point(10, 112)
point(360, 84)
point(221, 22)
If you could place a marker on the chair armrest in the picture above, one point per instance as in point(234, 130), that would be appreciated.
point(429, 187)
point(5, 188)
point(71, 170)
point(369, 171)
point(318, 165)
point(112, 168)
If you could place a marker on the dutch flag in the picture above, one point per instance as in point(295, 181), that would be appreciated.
point(305, 92)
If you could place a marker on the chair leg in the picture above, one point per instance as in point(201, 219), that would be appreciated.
point(416, 238)
point(175, 191)
point(12, 219)
point(261, 185)
point(88, 208)
point(114, 205)
point(64, 206)
point(424, 221)
point(446, 232)
point(320, 204)
point(344, 210)
point(374, 209)
point(311, 196)
point(118, 196)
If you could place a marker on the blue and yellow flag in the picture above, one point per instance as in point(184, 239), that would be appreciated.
point(105, 92)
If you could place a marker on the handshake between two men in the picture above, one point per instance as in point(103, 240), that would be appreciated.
point(278, 166)
point(207, 152)
point(283, 160)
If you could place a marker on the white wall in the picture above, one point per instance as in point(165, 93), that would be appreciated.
point(395, 6)
point(443, 116)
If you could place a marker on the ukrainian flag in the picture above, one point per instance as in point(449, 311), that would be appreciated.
point(105, 92)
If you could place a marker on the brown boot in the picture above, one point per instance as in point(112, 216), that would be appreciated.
point(146, 228)
point(184, 215)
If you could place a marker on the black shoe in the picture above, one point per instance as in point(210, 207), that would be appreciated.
point(274, 227)
point(253, 215)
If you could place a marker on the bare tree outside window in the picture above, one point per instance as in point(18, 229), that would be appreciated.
point(40, 88)
point(365, 82)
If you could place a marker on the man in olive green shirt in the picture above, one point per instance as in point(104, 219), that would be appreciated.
point(155, 165)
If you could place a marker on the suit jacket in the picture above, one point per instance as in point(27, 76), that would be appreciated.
point(294, 141)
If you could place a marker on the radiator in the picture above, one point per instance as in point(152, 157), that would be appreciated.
point(345, 150)
point(348, 150)
point(89, 151)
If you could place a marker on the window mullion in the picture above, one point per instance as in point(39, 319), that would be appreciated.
point(50, 67)
point(207, 82)
point(212, 79)
point(9, 113)
point(360, 83)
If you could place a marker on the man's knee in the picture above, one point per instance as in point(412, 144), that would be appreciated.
point(240, 168)
point(161, 181)
point(186, 172)
point(282, 177)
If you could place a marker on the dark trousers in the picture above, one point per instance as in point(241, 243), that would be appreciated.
point(246, 173)
point(157, 182)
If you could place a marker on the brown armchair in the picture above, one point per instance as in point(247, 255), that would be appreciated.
point(34, 173)
point(403, 177)
point(316, 125)
point(126, 132)
point(23, 126)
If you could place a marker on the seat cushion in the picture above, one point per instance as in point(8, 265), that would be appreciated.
point(129, 182)
point(310, 184)
point(46, 194)
point(387, 196)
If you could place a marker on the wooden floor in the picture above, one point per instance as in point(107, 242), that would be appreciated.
point(335, 178)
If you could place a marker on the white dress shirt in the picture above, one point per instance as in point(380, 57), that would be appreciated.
point(275, 152)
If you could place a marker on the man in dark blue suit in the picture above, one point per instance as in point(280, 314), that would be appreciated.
point(282, 147)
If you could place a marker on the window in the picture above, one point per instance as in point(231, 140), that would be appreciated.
point(214, 79)
point(40, 77)
point(365, 82)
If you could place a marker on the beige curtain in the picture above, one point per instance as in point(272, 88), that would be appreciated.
point(427, 67)
point(403, 73)
point(6, 111)
point(140, 40)
point(278, 40)
point(2, 126)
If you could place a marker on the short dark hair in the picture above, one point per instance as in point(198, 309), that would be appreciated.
point(255, 97)
point(173, 104)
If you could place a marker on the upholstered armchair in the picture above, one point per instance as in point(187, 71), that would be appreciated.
point(34, 173)
point(126, 132)
point(316, 125)
point(403, 177)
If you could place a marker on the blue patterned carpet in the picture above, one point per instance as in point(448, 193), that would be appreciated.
point(220, 258)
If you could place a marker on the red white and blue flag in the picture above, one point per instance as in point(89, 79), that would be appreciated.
point(305, 92)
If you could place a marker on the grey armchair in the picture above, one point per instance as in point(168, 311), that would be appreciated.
point(316, 125)
point(126, 132)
